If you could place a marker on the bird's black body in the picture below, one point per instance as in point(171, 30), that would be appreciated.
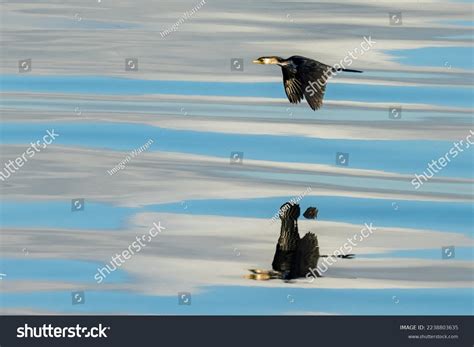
point(294, 256)
point(303, 78)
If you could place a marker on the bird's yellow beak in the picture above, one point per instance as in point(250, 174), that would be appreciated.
point(257, 61)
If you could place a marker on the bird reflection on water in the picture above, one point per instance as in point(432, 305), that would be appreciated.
point(293, 255)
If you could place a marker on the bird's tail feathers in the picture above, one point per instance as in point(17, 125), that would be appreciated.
point(343, 256)
point(346, 70)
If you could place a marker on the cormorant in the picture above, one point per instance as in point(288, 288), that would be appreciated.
point(303, 77)
point(294, 256)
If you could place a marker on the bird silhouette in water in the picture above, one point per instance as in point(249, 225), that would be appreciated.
point(294, 256)
point(303, 78)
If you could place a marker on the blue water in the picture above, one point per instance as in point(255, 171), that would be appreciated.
point(56, 270)
point(400, 156)
point(380, 183)
point(468, 23)
point(456, 57)
point(443, 95)
point(461, 253)
point(240, 300)
point(58, 214)
point(392, 156)
point(458, 37)
point(441, 216)
point(155, 108)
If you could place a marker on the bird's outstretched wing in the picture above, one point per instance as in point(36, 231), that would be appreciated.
point(308, 78)
point(293, 87)
point(307, 255)
point(313, 77)
point(311, 213)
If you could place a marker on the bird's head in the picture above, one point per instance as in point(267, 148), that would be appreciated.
point(268, 60)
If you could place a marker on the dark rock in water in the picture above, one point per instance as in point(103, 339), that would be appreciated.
point(294, 256)
point(311, 213)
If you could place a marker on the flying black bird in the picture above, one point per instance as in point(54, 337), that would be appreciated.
point(303, 77)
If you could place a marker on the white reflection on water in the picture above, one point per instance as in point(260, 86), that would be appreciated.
point(199, 252)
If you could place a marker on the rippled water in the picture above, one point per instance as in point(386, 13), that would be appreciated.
point(198, 112)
